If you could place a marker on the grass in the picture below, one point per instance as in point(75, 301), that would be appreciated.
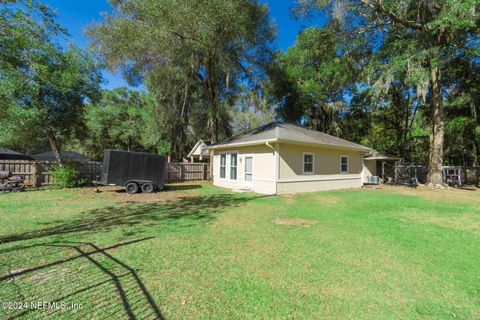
point(205, 253)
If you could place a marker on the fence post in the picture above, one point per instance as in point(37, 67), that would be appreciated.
point(204, 169)
point(35, 174)
point(210, 166)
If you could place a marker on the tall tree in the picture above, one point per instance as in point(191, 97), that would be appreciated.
point(251, 110)
point(187, 51)
point(427, 36)
point(321, 69)
point(43, 87)
point(116, 121)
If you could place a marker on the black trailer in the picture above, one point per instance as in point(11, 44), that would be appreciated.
point(135, 171)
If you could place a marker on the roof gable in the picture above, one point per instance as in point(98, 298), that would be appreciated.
point(198, 148)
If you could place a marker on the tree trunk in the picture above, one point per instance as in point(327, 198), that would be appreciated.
point(212, 120)
point(54, 146)
point(476, 147)
point(437, 135)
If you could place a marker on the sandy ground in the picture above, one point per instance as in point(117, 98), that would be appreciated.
point(171, 192)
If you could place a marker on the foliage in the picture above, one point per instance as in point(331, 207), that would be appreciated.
point(115, 122)
point(322, 69)
point(43, 87)
point(68, 175)
point(250, 110)
point(415, 58)
point(192, 54)
point(131, 120)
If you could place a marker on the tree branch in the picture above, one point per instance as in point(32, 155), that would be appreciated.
point(378, 5)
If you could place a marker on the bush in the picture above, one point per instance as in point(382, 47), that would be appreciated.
point(68, 175)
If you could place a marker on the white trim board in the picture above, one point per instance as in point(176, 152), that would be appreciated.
point(355, 177)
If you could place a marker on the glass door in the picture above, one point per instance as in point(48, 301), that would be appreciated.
point(248, 181)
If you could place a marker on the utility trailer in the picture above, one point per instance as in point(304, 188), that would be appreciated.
point(135, 171)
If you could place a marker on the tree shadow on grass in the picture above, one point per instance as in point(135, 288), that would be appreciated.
point(46, 267)
point(183, 212)
point(81, 273)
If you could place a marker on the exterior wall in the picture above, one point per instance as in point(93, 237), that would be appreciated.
point(326, 175)
point(286, 176)
point(370, 169)
point(318, 185)
point(264, 160)
point(198, 151)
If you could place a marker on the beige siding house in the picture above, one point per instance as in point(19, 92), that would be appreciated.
point(199, 152)
point(282, 158)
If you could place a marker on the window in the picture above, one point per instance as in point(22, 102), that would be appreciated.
point(233, 166)
point(223, 165)
point(343, 164)
point(308, 159)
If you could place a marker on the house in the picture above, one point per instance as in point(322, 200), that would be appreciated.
point(199, 152)
point(378, 165)
point(280, 158)
point(7, 154)
point(67, 155)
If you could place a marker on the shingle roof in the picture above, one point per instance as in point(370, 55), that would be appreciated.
point(284, 132)
point(7, 154)
point(8, 151)
point(71, 155)
point(375, 155)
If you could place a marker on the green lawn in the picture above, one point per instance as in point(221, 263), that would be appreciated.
point(205, 253)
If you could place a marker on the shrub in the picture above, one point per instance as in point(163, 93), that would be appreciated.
point(68, 175)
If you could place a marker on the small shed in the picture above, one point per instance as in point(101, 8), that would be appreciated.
point(7, 154)
point(379, 165)
point(199, 152)
point(282, 158)
point(67, 155)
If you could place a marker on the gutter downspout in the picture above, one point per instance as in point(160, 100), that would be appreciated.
point(270, 146)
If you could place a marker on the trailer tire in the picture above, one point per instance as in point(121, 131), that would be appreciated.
point(148, 187)
point(132, 187)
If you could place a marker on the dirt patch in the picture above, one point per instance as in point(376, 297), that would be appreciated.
point(149, 197)
point(295, 222)
point(118, 194)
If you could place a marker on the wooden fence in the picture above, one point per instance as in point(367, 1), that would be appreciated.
point(179, 171)
point(40, 172)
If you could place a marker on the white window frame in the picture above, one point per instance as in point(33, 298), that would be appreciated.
point(303, 163)
point(227, 165)
point(348, 164)
point(220, 165)
point(230, 166)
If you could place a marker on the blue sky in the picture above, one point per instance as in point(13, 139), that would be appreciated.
point(77, 15)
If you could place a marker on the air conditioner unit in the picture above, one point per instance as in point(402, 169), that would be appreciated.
point(373, 180)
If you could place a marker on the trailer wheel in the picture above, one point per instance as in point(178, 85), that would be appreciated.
point(148, 187)
point(132, 187)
